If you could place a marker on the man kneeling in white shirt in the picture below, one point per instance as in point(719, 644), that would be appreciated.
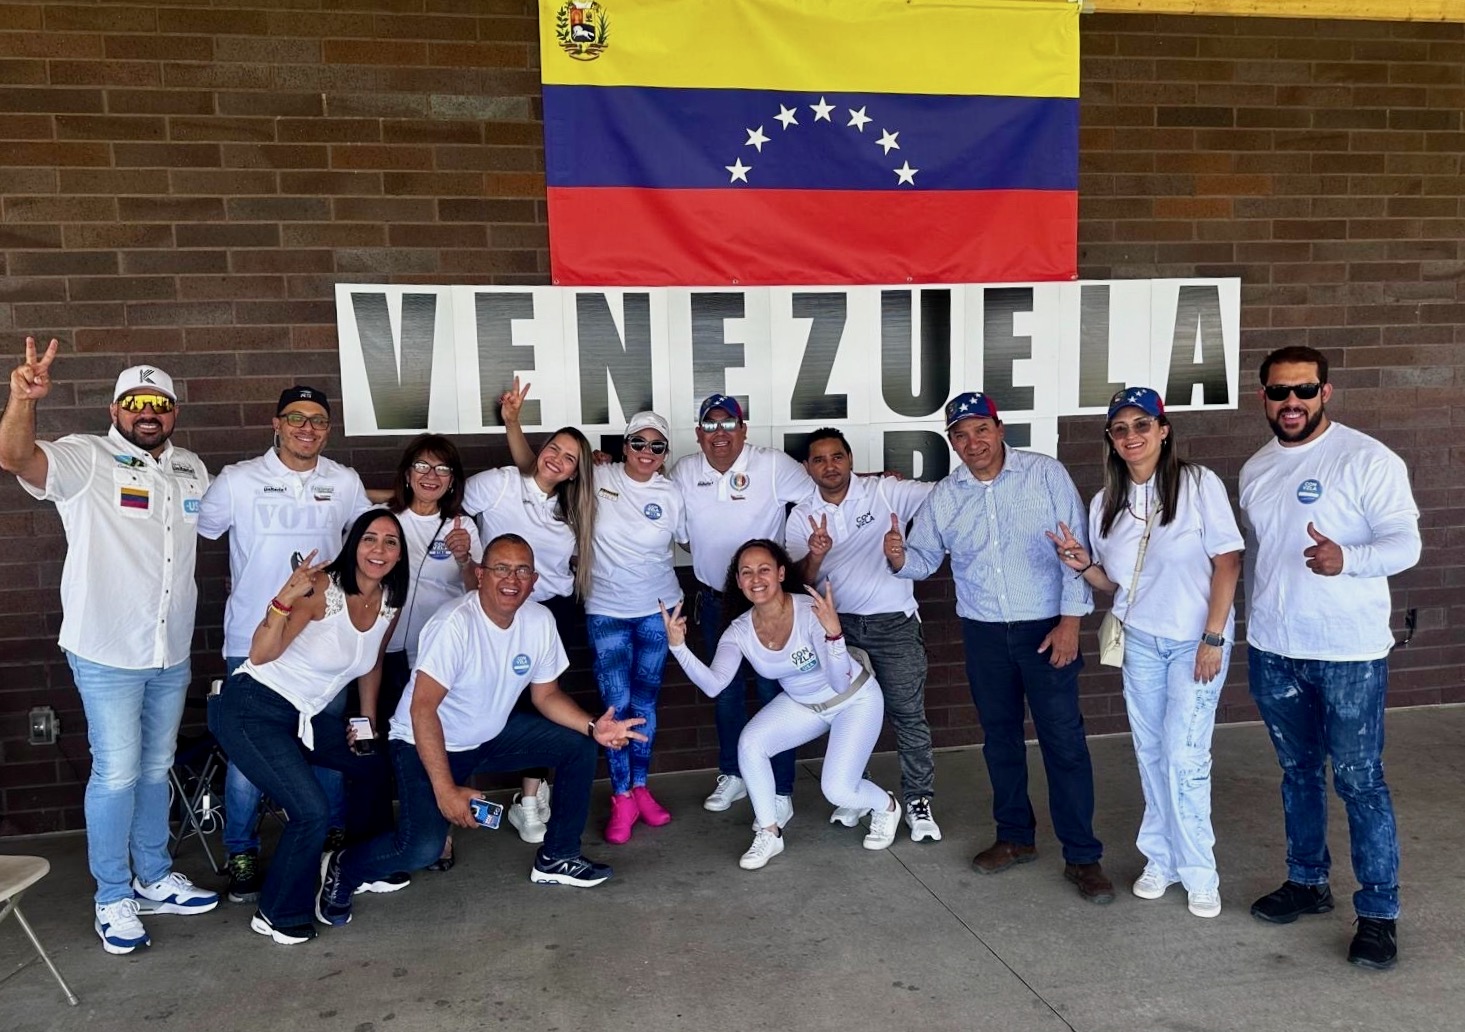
point(456, 719)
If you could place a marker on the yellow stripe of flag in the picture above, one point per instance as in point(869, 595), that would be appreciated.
point(1020, 48)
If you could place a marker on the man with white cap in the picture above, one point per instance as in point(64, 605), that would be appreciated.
point(129, 504)
point(276, 508)
point(734, 491)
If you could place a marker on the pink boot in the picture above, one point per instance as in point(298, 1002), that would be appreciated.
point(623, 816)
point(652, 812)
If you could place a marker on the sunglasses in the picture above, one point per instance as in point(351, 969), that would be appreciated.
point(1119, 431)
point(137, 402)
point(641, 444)
point(711, 426)
point(1279, 391)
point(441, 469)
point(299, 419)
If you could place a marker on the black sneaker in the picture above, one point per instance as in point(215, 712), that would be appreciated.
point(1375, 944)
point(579, 871)
point(335, 840)
point(391, 883)
point(285, 935)
point(1291, 901)
point(333, 901)
point(244, 877)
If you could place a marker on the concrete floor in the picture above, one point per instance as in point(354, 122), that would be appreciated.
point(828, 936)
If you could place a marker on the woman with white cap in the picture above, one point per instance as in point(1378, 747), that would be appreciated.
point(1166, 544)
point(638, 517)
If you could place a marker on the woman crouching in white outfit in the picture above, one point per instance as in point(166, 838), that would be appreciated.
point(796, 639)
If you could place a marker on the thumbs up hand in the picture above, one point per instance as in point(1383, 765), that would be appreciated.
point(1325, 557)
point(894, 544)
point(458, 542)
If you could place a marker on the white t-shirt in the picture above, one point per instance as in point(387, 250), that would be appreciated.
point(325, 656)
point(1354, 491)
point(436, 576)
point(1174, 594)
point(726, 509)
point(270, 512)
point(505, 501)
point(810, 668)
point(635, 526)
point(128, 593)
point(855, 565)
point(484, 667)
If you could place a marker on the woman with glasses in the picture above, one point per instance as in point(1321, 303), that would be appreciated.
point(328, 623)
point(638, 517)
point(1166, 544)
point(549, 501)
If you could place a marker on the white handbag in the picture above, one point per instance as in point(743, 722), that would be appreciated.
point(1111, 629)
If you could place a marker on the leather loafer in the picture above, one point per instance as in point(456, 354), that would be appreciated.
point(1000, 855)
point(1093, 884)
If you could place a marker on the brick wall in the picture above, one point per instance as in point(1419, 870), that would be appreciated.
point(185, 183)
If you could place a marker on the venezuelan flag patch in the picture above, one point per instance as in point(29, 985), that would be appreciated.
point(133, 497)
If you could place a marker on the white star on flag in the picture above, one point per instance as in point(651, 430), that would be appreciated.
point(905, 174)
point(858, 119)
point(821, 111)
point(740, 171)
point(756, 139)
point(964, 406)
point(887, 140)
point(786, 116)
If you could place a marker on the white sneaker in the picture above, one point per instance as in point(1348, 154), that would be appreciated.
point(730, 788)
point(883, 824)
point(1206, 903)
point(783, 809)
point(119, 927)
point(528, 817)
point(544, 791)
point(849, 816)
point(918, 818)
point(766, 845)
point(175, 894)
point(1152, 884)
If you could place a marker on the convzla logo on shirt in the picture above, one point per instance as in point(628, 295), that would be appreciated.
point(804, 660)
point(652, 511)
point(1309, 491)
point(521, 664)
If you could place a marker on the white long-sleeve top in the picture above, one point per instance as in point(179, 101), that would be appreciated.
point(1353, 490)
point(810, 668)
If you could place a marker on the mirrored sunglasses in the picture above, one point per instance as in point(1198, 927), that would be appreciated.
point(711, 426)
point(641, 444)
point(138, 402)
point(442, 469)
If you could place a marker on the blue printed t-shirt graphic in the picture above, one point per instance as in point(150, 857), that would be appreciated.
point(804, 660)
point(1309, 491)
point(521, 664)
point(652, 511)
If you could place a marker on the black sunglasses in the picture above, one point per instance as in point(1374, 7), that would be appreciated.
point(1280, 391)
point(641, 444)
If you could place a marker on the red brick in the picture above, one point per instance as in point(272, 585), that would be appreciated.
point(259, 130)
point(122, 288)
point(165, 155)
point(272, 103)
point(247, 234)
point(329, 130)
point(272, 209)
point(142, 262)
point(207, 75)
point(274, 155)
point(335, 183)
point(219, 181)
point(373, 52)
point(231, 286)
point(369, 156)
point(158, 48)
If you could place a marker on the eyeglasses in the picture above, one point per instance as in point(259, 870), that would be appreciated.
point(1119, 431)
point(442, 469)
point(299, 419)
point(1280, 391)
point(137, 402)
point(641, 444)
point(711, 426)
point(521, 571)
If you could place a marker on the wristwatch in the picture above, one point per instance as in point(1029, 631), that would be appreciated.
point(1215, 640)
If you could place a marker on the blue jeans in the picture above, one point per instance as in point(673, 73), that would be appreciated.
point(527, 740)
point(242, 798)
point(132, 719)
point(1315, 709)
point(1004, 669)
point(258, 729)
point(1171, 717)
point(730, 709)
point(629, 656)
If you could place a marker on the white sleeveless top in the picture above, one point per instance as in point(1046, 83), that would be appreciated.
point(326, 656)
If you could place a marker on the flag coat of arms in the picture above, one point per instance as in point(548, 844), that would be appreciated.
point(765, 142)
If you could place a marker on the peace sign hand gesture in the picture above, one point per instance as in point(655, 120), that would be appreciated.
point(511, 402)
point(824, 610)
point(819, 540)
point(1071, 553)
point(302, 580)
point(31, 380)
point(676, 625)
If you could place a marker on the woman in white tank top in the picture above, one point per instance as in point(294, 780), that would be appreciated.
point(328, 624)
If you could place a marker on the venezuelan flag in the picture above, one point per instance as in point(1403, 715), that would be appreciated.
point(696, 142)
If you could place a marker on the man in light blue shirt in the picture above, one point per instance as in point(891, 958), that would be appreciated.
point(1019, 610)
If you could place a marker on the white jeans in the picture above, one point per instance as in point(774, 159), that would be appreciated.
point(782, 724)
point(1171, 716)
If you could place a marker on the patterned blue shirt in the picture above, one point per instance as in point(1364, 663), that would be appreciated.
point(1003, 564)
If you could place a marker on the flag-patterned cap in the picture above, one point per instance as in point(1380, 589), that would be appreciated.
point(969, 405)
point(726, 402)
point(1137, 397)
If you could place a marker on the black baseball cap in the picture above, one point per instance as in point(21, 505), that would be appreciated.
point(300, 392)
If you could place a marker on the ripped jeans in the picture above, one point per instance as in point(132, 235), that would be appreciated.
point(1316, 709)
point(1171, 717)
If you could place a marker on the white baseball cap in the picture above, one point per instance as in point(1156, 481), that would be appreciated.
point(648, 421)
point(142, 377)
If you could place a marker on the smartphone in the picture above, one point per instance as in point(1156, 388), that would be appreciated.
point(488, 814)
point(365, 737)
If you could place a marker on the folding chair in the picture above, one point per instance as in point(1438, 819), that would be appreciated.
point(18, 873)
point(196, 784)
